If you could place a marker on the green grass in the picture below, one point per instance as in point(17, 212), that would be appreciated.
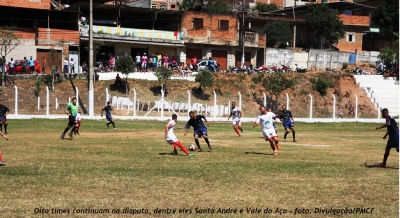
point(131, 167)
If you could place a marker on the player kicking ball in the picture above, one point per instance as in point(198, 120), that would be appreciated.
point(393, 132)
point(109, 117)
point(236, 114)
point(171, 138)
point(199, 129)
point(267, 119)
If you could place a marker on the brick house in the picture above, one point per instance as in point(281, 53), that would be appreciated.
point(41, 27)
point(217, 36)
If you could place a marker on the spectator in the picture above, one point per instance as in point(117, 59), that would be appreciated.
point(211, 64)
point(84, 67)
point(185, 70)
point(112, 63)
point(144, 62)
point(56, 73)
point(138, 62)
point(166, 60)
point(31, 63)
point(173, 62)
point(159, 59)
point(72, 65)
point(44, 64)
point(151, 62)
point(24, 65)
point(66, 63)
point(118, 80)
point(340, 113)
point(11, 65)
point(193, 61)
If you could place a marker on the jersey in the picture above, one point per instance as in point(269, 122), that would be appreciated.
point(137, 58)
point(236, 113)
point(392, 129)
point(78, 117)
point(196, 123)
point(171, 136)
point(286, 116)
point(266, 120)
point(73, 109)
point(108, 110)
point(3, 110)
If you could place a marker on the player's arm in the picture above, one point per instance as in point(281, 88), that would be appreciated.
point(7, 111)
point(67, 110)
point(384, 125)
point(255, 124)
point(230, 115)
point(203, 117)
point(291, 116)
point(102, 112)
point(384, 137)
point(240, 114)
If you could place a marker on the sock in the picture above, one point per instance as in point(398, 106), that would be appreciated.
point(1, 127)
point(284, 136)
point(179, 144)
point(237, 131)
point(1, 157)
point(113, 124)
point(79, 125)
point(294, 135)
point(174, 146)
point(385, 157)
point(66, 130)
point(208, 142)
point(5, 128)
point(73, 129)
point(197, 143)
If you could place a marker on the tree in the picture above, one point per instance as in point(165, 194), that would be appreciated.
point(218, 7)
point(187, 5)
point(387, 55)
point(276, 83)
point(386, 16)
point(163, 74)
point(8, 42)
point(97, 44)
point(205, 78)
point(277, 31)
point(125, 65)
point(321, 20)
point(263, 7)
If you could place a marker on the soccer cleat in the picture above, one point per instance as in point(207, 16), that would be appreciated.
point(70, 135)
point(107, 125)
point(199, 150)
point(2, 164)
point(175, 152)
point(382, 165)
point(190, 155)
point(115, 128)
point(241, 129)
point(238, 136)
point(209, 147)
point(62, 136)
point(278, 147)
point(275, 153)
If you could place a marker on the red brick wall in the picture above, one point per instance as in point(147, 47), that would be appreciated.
point(344, 45)
point(262, 39)
point(25, 33)
point(279, 3)
point(354, 20)
point(59, 35)
point(35, 4)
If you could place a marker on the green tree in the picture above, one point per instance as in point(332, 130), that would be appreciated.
point(8, 42)
point(275, 84)
point(277, 31)
point(219, 7)
point(187, 5)
point(125, 65)
point(386, 16)
point(387, 55)
point(321, 20)
point(205, 78)
point(163, 74)
point(263, 7)
point(320, 85)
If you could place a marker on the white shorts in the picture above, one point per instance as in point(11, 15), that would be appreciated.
point(236, 121)
point(171, 139)
point(269, 133)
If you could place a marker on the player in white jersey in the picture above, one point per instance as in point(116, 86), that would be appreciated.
point(171, 138)
point(267, 121)
point(236, 114)
point(78, 121)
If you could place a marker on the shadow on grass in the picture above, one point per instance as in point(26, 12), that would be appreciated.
point(168, 153)
point(377, 166)
point(258, 153)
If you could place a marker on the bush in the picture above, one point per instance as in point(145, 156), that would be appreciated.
point(163, 74)
point(320, 85)
point(205, 78)
point(345, 65)
point(372, 65)
point(125, 65)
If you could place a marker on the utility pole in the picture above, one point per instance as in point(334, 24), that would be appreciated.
point(91, 59)
point(242, 32)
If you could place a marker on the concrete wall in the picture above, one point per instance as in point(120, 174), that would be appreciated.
point(279, 57)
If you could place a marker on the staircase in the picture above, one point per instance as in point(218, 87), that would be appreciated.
point(383, 93)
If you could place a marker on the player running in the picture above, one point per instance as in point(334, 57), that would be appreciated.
point(267, 120)
point(393, 132)
point(288, 122)
point(236, 114)
point(71, 110)
point(78, 121)
point(108, 110)
point(3, 116)
point(200, 129)
point(171, 138)
point(1, 155)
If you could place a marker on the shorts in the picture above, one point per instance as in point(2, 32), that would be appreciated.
point(71, 120)
point(236, 121)
point(269, 134)
point(288, 125)
point(3, 118)
point(109, 117)
point(32, 68)
point(200, 132)
point(171, 139)
point(392, 145)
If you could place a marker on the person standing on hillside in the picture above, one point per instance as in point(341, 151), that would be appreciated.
point(11, 65)
point(287, 120)
point(340, 113)
point(393, 132)
point(236, 114)
point(193, 61)
point(109, 117)
point(3, 116)
point(138, 62)
point(165, 60)
point(71, 110)
point(72, 65)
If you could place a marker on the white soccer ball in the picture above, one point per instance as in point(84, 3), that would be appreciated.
point(191, 147)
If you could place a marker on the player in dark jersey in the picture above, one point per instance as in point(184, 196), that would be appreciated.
point(200, 129)
point(287, 120)
point(108, 110)
point(393, 132)
point(3, 116)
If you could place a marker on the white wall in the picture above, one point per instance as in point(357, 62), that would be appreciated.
point(26, 49)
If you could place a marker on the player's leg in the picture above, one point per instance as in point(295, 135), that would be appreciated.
point(235, 127)
point(276, 140)
point(293, 133)
point(239, 124)
point(271, 143)
point(78, 127)
point(5, 124)
point(196, 140)
point(287, 131)
point(205, 136)
point(389, 146)
point(65, 131)
point(179, 144)
point(112, 122)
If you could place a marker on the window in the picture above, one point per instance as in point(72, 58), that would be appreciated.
point(172, 6)
point(163, 7)
point(198, 23)
point(154, 6)
point(223, 24)
point(351, 37)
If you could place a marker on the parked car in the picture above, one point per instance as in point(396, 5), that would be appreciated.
point(203, 65)
point(19, 69)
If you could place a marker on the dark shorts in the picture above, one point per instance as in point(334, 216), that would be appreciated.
point(71, 121)
point(109, 117)
point(390, 145)
point(200, 132)
point(288, 125)
point(3, 118)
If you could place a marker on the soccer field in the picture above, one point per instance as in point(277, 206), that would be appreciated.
point(130, 171)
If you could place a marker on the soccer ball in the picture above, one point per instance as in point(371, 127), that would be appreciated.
point(191, 147)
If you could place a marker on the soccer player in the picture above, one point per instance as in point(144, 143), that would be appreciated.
point(1, 156)
point(71, 110)
point(108, 110)
point(393, 132)
point(288, 122)
point(78, 121)
point(236, 114)
point(267, 120)
point(200, 129)
point(3, 116)
point(171, 138)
